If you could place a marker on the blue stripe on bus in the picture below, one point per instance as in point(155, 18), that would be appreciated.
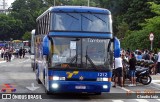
point(76, 34)
point(84, 74)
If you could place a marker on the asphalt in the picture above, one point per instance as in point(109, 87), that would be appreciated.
point(155, 80)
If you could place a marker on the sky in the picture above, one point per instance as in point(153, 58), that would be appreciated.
point(9, 2)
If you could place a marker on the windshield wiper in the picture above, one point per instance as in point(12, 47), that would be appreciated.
point(86, 17)
point(74, 58)
point(89, 59)
point(97, 17)
point(69, 15)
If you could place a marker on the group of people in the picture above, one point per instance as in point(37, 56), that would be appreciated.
point(20, 53)
point(7, 53)
point(131, 59)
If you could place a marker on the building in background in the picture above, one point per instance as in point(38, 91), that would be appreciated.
point(5, 5)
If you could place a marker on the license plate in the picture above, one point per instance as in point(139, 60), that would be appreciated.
point(80, 87)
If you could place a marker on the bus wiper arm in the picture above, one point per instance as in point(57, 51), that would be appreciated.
point(89, 59)
point(75, 57)
point(97, 17)
point(69, 15)
point(86, 17)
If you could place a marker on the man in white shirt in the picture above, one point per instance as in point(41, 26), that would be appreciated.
point(118, 71)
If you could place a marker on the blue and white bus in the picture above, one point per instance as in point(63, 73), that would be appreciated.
point(74, 49)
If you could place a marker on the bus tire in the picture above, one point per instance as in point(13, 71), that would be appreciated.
point(38, 80)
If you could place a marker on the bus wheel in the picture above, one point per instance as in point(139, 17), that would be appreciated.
point(38, 80)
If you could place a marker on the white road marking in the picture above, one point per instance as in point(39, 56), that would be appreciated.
point(117, 101)
point(125, 89)
point(141, 100)
point(24, 61)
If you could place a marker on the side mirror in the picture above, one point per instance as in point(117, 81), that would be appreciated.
point(45, 45)
point(116, 47)
point(33, 32)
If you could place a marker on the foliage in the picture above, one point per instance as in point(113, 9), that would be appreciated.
point(9, 27)
point(140, 38)
point(27, 11)
point(26, 36)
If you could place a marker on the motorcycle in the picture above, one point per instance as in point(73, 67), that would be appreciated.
point(142, 75)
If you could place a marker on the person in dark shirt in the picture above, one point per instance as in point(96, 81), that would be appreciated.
point(23, 52)
point(132, 69)
point(20, 52)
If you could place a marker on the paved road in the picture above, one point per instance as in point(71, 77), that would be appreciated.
point(18, 73)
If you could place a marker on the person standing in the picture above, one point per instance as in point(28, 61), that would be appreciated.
point(158, 63)
point(132, 69)
point(118, 71)
point(20, 52)
point(23, 52)
point(9, 55)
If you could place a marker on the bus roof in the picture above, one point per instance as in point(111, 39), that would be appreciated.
point(81, 9)
point(76, 9)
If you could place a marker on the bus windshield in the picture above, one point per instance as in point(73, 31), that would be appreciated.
point(84, 22)
point(80, 53)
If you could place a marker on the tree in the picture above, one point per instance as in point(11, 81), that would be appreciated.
point(9, 27)
point(27, 13)
point(136, 13)
point(140, 38)
point(26, 36)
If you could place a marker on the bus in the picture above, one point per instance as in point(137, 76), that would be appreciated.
point(32, 49)
point(74, 49)
point(26, 45)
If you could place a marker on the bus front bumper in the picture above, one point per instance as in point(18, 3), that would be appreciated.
point(79, 86)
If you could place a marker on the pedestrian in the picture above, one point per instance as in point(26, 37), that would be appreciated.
point(20, 52)
point(6, 55)
point(23, 52)
point(118, 71)
point(132, 69)
point(9, 55)
point(2, 52)
point(139, 56)
point(158, 63)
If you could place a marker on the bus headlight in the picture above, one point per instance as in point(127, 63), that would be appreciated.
point(105, 86)
point(55, 85)
point(58, 78)
point(102, 79)
point(55, 78)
